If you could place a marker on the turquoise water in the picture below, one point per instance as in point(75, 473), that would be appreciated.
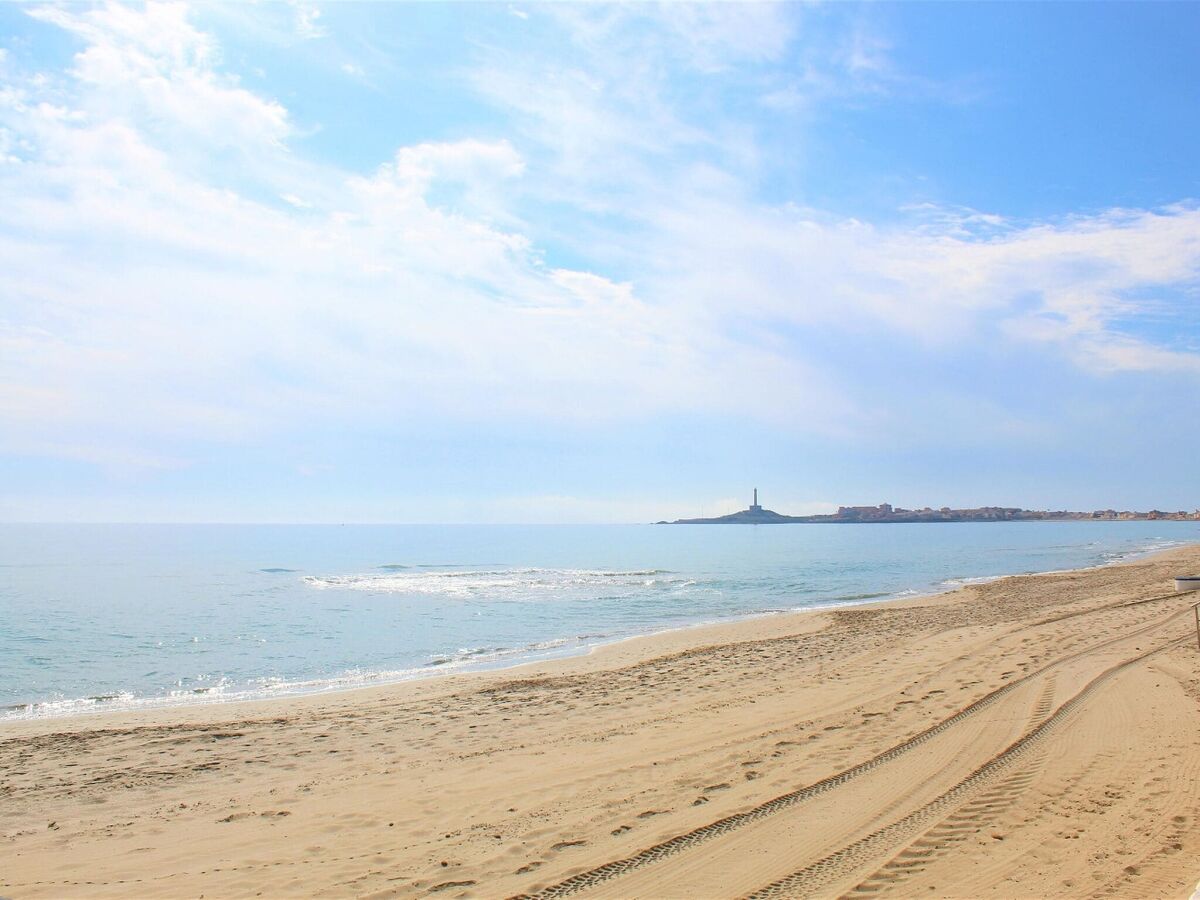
point(115, 616)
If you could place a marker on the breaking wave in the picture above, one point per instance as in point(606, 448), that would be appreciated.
point(516, 584)
point(224, 690)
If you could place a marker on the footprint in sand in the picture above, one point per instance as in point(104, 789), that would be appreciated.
point(447, 885)
point(563, 845)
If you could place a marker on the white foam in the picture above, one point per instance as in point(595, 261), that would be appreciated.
point(963, 582)
point(222, 691)
point(500, 584)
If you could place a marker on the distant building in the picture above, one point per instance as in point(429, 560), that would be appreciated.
point(885, 512)
point(865, 512)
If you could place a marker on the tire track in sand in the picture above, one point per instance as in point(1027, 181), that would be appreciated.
point(681, 842)
point(804, 881)
point(956, 827)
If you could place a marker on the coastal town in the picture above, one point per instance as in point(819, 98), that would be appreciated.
point(885, 512)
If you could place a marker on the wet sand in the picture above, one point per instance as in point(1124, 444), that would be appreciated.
point(1035, 736)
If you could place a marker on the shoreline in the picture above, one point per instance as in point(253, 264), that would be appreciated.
point(629, 648)
point(1036, 735)
point(519, 659)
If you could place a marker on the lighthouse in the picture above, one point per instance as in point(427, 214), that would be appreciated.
point(754, 507)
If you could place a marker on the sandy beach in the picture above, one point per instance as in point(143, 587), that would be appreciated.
point(1035, 736)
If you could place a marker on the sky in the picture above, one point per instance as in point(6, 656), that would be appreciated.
point(295, 262)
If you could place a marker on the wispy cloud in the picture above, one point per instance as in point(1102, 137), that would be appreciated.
point(697, 230)
point(307, 21)
point(174, 272)
point(233, 315)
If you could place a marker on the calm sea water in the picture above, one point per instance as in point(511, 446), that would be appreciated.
point(111, 616)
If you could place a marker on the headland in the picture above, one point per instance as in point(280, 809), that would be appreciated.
point(885, 512)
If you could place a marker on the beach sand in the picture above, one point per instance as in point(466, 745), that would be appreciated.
point(1035, 736)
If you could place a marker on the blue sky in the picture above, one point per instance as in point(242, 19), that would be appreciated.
point(559, 263)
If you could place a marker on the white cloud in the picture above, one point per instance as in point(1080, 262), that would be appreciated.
point(684, 192)
point(149, 299)
point(462, 161)
point(293, 200)
point(8, 147)
point(307, 26)
point(149, 305)
point(153, 67)
point(706, 36)
point(1070, 283)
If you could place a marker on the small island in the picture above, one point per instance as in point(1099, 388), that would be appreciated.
point(885, 512)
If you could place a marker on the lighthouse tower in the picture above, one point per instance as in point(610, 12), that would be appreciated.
point(754, 507)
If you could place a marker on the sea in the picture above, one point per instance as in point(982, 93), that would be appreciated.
point(105, 617)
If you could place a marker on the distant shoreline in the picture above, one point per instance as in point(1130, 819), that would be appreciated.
point(833, 520)
point(886, 514)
